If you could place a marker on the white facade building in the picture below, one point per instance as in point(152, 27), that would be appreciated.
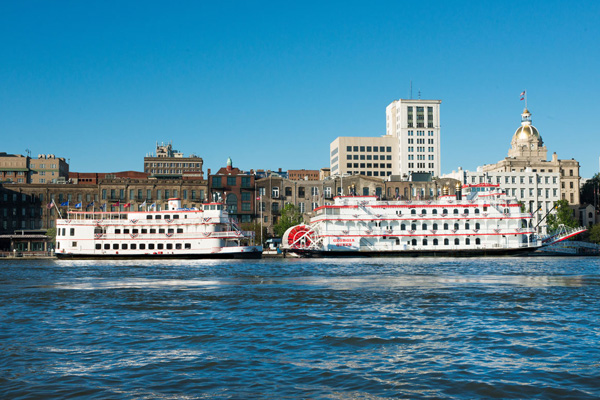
point(537, 191)
point(416, 124)
point(411, 144)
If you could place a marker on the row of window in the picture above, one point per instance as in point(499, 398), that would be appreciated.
point(245, 181)
point(179, 165)
point(368, 165)
point(513, 179)
point(195, 194)
point(367, 157)
point(141, 246)
point(446, 242)
point(362, 149)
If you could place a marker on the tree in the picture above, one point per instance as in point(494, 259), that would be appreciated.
point(595, 234)
point(590, 191)
point(255, 227)
point(290, 216)
point(51, 233)
point(563, 216)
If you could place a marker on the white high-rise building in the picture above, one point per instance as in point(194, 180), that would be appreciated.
point(416, 124)
point(411, 144)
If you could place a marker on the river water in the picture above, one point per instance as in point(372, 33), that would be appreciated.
point(295, 328)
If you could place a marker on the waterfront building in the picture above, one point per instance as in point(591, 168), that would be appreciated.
point(47, 168)
point(171, 164)
point(236, 189)
point(303, 174)
point(528, 151)
point(411, 144)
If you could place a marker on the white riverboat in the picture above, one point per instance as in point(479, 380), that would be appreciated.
point(205, 232)
point(485, 221)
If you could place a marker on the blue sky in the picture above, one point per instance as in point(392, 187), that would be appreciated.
point(271, 84)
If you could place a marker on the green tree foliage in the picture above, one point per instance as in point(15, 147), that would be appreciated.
point(290, 216)
point(563, 216)
point(51, 233)
point(595, 234)
point(587, 191)
point(255, 227)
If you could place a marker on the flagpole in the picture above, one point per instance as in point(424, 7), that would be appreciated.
point(55, 206)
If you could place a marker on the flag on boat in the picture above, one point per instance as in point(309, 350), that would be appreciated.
point(143, 204)
point(50, 204)
point(116, 204)
point(65, 204)
point(78, 205)
point(153, 205)
point(89, 205)
point(126, 205)
point(103, 207)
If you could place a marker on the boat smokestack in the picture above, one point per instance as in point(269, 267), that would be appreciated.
point(458, 191)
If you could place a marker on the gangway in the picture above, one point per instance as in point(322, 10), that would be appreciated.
point(562, 233)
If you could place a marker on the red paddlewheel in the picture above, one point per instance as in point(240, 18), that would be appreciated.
point(299, 237)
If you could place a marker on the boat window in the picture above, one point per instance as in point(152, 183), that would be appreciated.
point(161, 230)
point(150, 246)
point(144, 230)
point(72, 231)
point(456, 241)
point(179, 230)
point(477, 211)
point(152, 230)
point(171, 230)
point(414, 242)
point(423, 211)
point(125, 230)
point(467, 241)
point(115, 246)
point(98, 231)
point(456, 211)
point(134, 231)
point(178, 246)
point(477, 241)
point(445, 211)
point(484, 208)
point(434, 212)
point(133, 246)
point(446, 242)
point(124, 246)
point(435, 242)
point(106, 246)
point(466, 211)
point(456, 226)
point(142, 246)
point(169, 246)
point(160, 246)
point(403, 227)
point(175, 216)
point(435, 226)
point(477, 225)
point(148, 216)
point(445, 227)
point(218, 207)
point(467, 226)
point(413, 227)
point(158, 217)
point(424, 242)
point(167, 216)
point(98, 246)
point(424, 227)
point(117, 230)
point(413, 211)
point(188, 246)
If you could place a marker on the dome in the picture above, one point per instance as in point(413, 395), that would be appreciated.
point(526, 132)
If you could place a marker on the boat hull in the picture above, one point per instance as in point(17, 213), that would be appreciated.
point(488, 252)
point(229, 256)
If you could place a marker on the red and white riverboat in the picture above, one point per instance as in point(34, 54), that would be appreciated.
point(205, 232)
point(483, 222)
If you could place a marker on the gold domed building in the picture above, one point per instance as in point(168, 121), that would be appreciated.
point(528, 151)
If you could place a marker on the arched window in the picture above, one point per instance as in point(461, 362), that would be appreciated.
point(424, 242)
point(434, 211)
point(466, 211)
point(413, 227)
point(477, 241)
point(413, 212)
point(456, 211)
point(467, 241)
point(424, 227)
point(445, 227)
point(477, 211)
point(477, 225)
point(446, 242)
point(402, 227)
point(423, 211)
point(456, 241)
point(435, 226)
point(414, 242)
point(435, 242)
point(467, 225)
point(445, 211)
point(456, 226)
point(232, 203)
